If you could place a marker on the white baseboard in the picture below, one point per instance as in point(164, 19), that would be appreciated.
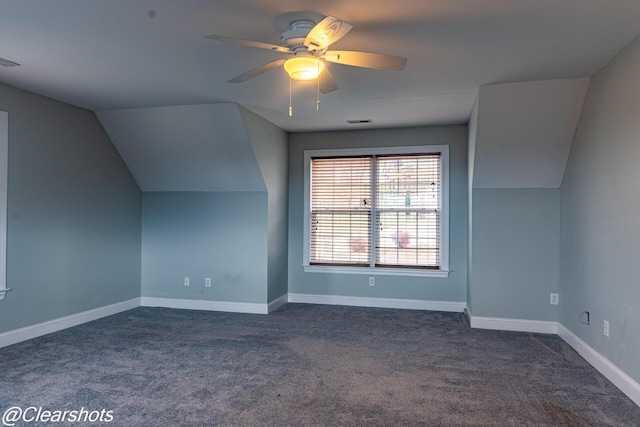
point(55, 325)
point(190, 304)
point(517, 325)
point(467, 313)
point(619, 378)
point(614, 374)
point(278, 302)
point(409, 304)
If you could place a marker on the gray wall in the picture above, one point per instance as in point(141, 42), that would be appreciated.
point(237, 238)
point(73, 214)
point(515, 246)
point(600, 226)
point(416, 288)
point(270, 147)
point(203, 234)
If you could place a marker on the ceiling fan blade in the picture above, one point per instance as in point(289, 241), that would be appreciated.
point(326, 32)
point(327, 81)
point(257, 71)
point(251, 43)
point(378, 61)
point(6, 63)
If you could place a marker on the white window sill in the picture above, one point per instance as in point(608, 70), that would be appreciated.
point(443, 274)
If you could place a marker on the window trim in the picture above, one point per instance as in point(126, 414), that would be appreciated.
point(443, 150)
point(4, 166)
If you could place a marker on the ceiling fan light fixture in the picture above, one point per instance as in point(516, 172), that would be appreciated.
point(304, 68)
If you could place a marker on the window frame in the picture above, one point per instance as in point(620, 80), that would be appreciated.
point(4, 166)
point(442, 150)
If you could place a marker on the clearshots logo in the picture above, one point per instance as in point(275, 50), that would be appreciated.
point(33, 414)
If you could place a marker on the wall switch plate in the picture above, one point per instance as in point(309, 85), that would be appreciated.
point(186, 281)
point(372, 281)
point(606, 328)
point(207, 282)
point(554, 299)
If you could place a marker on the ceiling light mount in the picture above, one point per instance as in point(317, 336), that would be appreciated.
point(294, 38)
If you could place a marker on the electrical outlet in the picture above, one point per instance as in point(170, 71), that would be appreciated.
point(554, 299)
point(606, 328)
point(186, 281)
point(207, 282)
point(372, 281)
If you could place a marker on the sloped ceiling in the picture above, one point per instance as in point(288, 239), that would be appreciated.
point(119, 54)
point(522, 135)
point(523, 132)
point(137, 62)
point(185, 148)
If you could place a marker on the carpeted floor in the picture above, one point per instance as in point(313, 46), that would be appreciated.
point(307, 365)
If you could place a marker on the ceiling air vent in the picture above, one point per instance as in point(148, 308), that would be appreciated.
point(7, 63)
point(358, 122)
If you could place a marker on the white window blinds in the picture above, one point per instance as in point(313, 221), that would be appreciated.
point(341, 211)
point(400, 194)
point(408, 211)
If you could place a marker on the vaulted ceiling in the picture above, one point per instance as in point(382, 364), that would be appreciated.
point(121, 54)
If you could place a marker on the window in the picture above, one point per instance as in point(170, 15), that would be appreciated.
point(377, 210)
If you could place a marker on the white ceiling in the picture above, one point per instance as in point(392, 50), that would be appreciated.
point(121, 54)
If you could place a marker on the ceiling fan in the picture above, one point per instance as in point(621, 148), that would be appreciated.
point(309, 43)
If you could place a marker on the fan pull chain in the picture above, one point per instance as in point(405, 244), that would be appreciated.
point(290, 107)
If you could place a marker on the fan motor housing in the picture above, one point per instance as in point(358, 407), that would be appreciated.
point(294, 38)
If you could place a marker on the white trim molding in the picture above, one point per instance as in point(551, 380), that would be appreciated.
point(409, 304)
point(376, 271)
point(191, 304)
point(516, 325)
point(55, 325)
point(442, 150)
point(278, 302)
point(4, 170)
point(619, 378)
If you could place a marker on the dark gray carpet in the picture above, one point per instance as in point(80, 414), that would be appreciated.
point(308, 365)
